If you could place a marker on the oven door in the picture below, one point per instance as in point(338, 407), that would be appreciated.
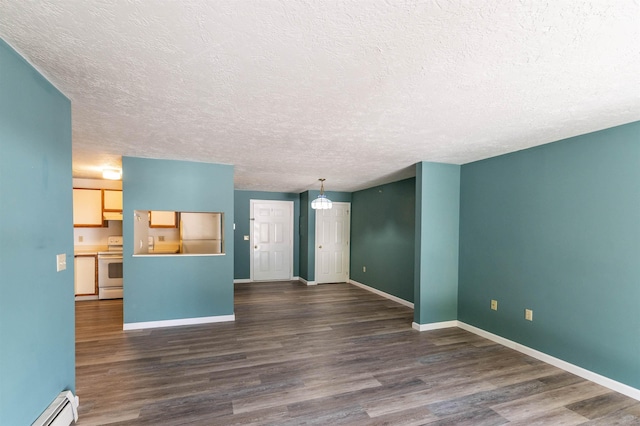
point(110, 276)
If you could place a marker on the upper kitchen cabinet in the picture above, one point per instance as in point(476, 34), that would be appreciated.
point(112, 209)
point(162, 219)
point(112, 200)
point(87, 207)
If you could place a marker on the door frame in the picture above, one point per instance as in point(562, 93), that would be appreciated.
point(315, 250)
point(290, 205)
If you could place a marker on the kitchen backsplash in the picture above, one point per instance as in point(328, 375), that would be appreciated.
point(170, 235)
point(96, 236)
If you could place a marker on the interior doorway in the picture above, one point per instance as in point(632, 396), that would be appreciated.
point(333, 227)
point(271, 240)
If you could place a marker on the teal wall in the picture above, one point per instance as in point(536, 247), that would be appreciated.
point(37, 334)
point(556, 229)
point(242, 208)
point(305, 207)
point(308, 229)
point(382, 237)
point(436, 242)
point(176, 287)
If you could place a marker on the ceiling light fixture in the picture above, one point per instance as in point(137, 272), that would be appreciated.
point(111, 174)
point(322, 202)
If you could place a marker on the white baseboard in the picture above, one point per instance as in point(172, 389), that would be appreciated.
point(382, 293)
point(249, 280)
point(434, 325)
point(177, 322)
point(303, 281)
point(556, 362)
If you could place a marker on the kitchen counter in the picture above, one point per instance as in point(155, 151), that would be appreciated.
point(88, 250)
point(164, 248)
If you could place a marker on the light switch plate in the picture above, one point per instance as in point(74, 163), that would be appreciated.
point(61, 262)
point(246, 238)
point(494, 305)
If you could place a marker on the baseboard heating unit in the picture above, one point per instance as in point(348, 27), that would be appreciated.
point(61, 412)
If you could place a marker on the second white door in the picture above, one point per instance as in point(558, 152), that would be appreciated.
point(272, 240)
point(332, 244)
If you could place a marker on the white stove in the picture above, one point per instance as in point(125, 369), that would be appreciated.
point(110, 270)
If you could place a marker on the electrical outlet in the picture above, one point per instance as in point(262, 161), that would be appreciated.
point(80, 238)
point(494, 305)
point(364, 269)
point(528, 314)
point(160, 237)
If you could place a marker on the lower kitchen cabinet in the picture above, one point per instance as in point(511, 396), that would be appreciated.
point(85, 282)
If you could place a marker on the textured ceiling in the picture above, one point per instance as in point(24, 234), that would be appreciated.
point(352, 91)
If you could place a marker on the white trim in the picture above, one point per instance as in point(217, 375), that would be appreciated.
point(382, 293)
point(177, 322)
point(556, 362)
point(434, 325)
point(303, 281)
point(248, 280)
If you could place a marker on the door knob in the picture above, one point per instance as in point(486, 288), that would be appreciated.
point(255, 247)
point(320, 246)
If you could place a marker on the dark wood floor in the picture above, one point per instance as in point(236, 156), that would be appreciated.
point(323, 355)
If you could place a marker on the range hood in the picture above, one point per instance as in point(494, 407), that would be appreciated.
point(112, 216)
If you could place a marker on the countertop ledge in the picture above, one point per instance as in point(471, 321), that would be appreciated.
point(88, 250)
point(177, 254)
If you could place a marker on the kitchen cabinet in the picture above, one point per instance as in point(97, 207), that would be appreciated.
point(85, 275)
point(87, 207)
point(112, 200)
point(162, 219)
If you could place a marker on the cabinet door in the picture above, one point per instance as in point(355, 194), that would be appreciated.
point(84, 274)
point(87, 207)
point(112, 200)
point(162, 219)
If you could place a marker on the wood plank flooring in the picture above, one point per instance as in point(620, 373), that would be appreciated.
point(321, 355)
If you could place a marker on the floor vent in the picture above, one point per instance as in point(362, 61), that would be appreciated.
point(61, 412)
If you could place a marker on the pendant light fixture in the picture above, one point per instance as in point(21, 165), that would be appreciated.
point(322, 202)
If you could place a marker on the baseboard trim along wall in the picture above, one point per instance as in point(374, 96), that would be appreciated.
point(177, 322)
point(303, 281)
point(556, 362)
point(249, 280)
point(382, 293)
point(434, 325)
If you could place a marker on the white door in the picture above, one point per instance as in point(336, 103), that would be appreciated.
point(332, 244)
point(271, 240)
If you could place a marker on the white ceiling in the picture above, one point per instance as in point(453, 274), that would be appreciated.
point(352, 91)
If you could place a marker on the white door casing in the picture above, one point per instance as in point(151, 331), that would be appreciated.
point(271, 240)
point(333, 227)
